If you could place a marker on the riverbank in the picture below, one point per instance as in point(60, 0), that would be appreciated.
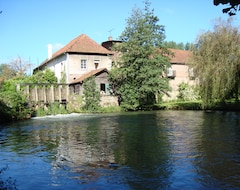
point(196, 105)
point(172, 105)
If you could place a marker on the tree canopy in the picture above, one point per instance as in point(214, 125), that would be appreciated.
point(234, 6)
point(175, 45)
point(137, 76)
point(216, 62)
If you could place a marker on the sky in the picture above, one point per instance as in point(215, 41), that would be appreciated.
point(28, 26)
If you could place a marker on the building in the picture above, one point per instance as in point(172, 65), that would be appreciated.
point(179, 72)
point(79, 56)
point(83, 57)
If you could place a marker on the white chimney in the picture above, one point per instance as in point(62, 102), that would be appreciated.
point(49, 51)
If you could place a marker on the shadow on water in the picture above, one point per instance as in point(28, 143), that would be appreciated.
point(139, 150)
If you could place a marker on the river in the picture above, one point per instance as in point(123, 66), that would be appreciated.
point(137, 150)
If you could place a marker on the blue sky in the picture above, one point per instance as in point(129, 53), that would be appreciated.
point(28, 26)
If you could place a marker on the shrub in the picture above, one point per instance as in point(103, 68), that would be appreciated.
point(187, 92)
point(91, 95)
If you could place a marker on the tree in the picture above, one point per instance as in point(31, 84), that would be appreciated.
point(15, 68)
point(216, 62)
point(234, 6)
point(137, 75)
point(20, 66)
point(91, 94)
point(7, 72)
point(46, 76)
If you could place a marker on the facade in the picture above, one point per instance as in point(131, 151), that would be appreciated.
point(179, 72)
point(101, 81)
point(82, 57)
point(79, 56)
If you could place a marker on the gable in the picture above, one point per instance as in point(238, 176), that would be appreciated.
point(95, 72)
point(80, 45)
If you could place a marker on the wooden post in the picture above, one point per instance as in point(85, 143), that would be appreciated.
point(44, 94)
point(59, 93)
point(27, 92)
point(36, 93)
point(67, 92)
point(52, 93)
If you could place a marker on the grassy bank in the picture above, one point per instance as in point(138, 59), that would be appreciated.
point(196, 105)
point(180, 105)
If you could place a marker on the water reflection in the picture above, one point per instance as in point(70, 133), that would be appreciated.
point(148, 150)
point(219, 164)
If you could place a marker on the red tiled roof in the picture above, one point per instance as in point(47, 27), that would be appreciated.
point(179, 56)
point(80, 44)
point(89, 74)
point(83, 44)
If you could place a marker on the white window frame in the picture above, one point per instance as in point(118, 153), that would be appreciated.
point(83, 63)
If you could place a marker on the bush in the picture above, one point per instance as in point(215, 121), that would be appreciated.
point(91, 95)
point(187, 92)
point(14, 103)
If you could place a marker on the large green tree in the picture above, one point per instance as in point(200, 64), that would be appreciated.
point(216, 61)
point(137, 75)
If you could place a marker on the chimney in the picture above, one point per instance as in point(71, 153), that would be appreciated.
point(110, 38)
point(49, 51)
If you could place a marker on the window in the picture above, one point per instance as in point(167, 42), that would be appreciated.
point(83, 63)
point(104, 89)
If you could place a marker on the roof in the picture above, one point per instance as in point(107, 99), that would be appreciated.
point(89, 74)
point(180, 56)
point(80, 44)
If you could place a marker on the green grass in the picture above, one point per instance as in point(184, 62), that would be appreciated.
point(180, 105)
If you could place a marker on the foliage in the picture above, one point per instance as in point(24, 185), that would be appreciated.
point(14, 102)
point(91, 94)
point(215, 60)
point(46, 76)
point(15, 68)
point(137, 76)
point(174, 45)
point(234, 6)
point(181, 105)
point(7, 72)
point(110, 109)
point(53, 109)
point(187, 92)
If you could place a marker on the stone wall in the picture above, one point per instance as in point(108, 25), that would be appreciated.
point(107, 101)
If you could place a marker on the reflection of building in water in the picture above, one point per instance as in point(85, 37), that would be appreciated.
point(78, 145)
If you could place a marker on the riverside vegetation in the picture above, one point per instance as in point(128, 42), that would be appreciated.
point(134, 77)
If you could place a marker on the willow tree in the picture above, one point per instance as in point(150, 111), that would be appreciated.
point(216, 60)
point(136, 76)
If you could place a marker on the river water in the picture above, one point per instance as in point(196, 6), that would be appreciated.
point(138, 150)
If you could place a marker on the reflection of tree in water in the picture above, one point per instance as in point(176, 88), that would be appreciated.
point(8, 183)
point(126, 149)
point(219, 146)
point(143, 145)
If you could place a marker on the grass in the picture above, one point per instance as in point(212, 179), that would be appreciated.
point(180, 105)
point(230, 105)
